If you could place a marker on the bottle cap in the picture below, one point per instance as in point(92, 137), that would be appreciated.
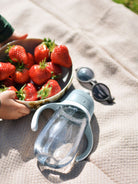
point(82, 98)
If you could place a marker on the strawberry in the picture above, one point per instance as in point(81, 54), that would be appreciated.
point(49, 89)
point(42, 51)
point(60, 55)
point(55, 70)
point(39, 73)
point(17, 53)
point(12, 88)
point(6, 69)
point(28, 93)
point(30, 61)
point(9, 81)
point(21, 76)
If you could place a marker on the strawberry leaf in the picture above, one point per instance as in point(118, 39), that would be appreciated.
point(21, 94)
point(44, 92)
point(49, 43)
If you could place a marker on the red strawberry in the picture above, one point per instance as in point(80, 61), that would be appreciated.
point(41, 52)
point(30, 61)
point(39, 73)
point(21, 76)
point(12, 88)
point(17, 53)
point(60, 55)
point(55, 70)
point(6, 69)
point(27, 93)
point(49, 89)
point(9, 81)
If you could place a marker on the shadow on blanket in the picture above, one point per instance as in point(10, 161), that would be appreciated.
point(18, 139)
point(58, 176)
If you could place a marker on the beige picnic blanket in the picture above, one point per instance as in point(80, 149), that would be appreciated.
point(102, 35)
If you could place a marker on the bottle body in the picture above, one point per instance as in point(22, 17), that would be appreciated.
point(57, 144)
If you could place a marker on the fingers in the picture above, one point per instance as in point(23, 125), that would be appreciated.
point(21, 37)
point(10, 94)
point(10, 108)
point(6, 95)
point(23, 109)
point(14, 36)
point(20, 111)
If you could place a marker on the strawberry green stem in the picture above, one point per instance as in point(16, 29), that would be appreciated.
point(21, 94)
point(43, 63)
point(49, 43)
point(3, 88)
point(8, 48)
point(44, 92)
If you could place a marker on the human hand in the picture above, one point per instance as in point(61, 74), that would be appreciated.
point(14, 36)
point(9, 108)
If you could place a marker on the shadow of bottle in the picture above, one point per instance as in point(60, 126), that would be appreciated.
point(74, 169)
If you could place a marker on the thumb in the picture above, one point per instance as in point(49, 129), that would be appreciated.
point(21, 37)
point(11, 94)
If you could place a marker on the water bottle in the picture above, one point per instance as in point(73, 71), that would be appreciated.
point(57, 144)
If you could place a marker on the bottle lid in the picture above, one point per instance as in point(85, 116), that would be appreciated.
point(82, 98)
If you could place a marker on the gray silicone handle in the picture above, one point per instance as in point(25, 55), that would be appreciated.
point(34, 122)
point(89, 136)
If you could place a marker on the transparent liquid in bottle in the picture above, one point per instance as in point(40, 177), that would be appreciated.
point(58, 143)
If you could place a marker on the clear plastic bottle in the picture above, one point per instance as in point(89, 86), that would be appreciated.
point(58, 142)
